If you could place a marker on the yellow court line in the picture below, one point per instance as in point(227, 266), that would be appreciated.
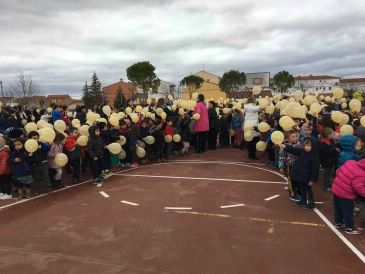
point(247, 218)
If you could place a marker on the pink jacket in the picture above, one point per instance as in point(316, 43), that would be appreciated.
point(350, 180)
point(202, 124)
point(55, 149)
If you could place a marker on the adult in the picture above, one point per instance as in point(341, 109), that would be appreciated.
point(56, 114)
point(81, 114)
point(213, 125)
point(202, 125)
point(252, 119)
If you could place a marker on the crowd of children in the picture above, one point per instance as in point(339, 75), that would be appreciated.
point(312, 143)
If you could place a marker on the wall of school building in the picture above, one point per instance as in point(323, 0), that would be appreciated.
point(209, 90)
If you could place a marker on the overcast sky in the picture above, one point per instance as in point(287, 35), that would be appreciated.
point(61, 43)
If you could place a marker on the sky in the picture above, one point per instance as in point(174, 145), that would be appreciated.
point(61, 43)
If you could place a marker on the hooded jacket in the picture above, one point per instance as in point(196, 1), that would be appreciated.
point(347, 146)
point(328, 154)
point(95, 145)
point(350, 180)
point(20, 169)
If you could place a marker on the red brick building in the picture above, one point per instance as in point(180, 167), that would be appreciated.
point(110, 91)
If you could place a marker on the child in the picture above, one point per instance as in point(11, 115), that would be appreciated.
point(73, 153)
point(223, 130)
point(286, 162)
point(132, 141)
point(237, 127)
point(185, 133)
point(305, 170)
point(19, 162)
point(328, 156)
point(168, 131)
point(347, 147)
point(95, 147)
point(5, 171)
point(157, 133)
point(349, 182)
point(39, 161)
point(54, 170)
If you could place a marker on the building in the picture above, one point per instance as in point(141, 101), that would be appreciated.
point(210, 87)
point(110, 91)
point(316, 83)
point(164, 89)
point(43, 101)
point(353, 84)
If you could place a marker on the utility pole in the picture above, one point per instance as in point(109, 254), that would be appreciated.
point(2, 90)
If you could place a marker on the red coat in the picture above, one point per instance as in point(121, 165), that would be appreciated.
point(4, 166)
point(169, 130)
point(350, 180)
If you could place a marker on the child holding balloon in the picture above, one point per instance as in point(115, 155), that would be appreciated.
point(95, 148)
point(55, 171)
point(73, 153)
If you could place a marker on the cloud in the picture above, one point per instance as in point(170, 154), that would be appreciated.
point(61, 43)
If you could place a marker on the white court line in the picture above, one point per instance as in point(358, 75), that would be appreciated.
point(342, 237)
point(272, 197)
point(319, 203)
point(129, 203)
point(217, 162)
point(199, 178)
point(102, 193)
point(178, 208)
point(229, 206)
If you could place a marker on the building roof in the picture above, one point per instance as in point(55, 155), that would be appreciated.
point(208, 77)
point(352, 80)
point(60, 96)
point(315, 77)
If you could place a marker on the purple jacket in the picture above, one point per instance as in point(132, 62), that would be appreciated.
point(202, 124)
point(350, 180)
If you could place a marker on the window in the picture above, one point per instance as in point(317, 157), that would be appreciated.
point(316, 88)
point(329, 88)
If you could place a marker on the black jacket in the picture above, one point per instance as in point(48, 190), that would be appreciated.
point(95, 145)
point(306, 167)
point(328, 154)
point(213, 119)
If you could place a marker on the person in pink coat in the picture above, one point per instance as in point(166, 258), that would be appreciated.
point(349, 182)
point(201, 125)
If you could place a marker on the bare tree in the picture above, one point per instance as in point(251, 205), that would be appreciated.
point(24, 87)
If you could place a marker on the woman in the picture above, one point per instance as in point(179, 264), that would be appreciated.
point(213, 125)
point(201, 125)
point(252, 118)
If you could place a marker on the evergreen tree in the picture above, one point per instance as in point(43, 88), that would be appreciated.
point(96, 95)
point(86, 98)
point(120, 99)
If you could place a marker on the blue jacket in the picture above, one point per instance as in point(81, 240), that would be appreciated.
point(56, 115)
point(347, 147)
point(236, 122)
point(22, 168)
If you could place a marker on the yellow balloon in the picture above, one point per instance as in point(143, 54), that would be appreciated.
point(82, 140)
point(263, 127)
point(41, 124)
point(90, 116)
point(345, 119)
point(47, 134)
point(122, 154)
point(163, 115)
point(107, 110)
point(149, 139)
point(196, 116)
point(286, 123)
point(256, 90)
point(226, 110)
point(346, 130)
point(248, 127)
point(336, 116)
point(128, 110)
point(31, 127)
point(61, 159)
point(121, 115)
point(49, 109)
point(122, 140)
point(139, 109)
point(134, 117)
point(298, 95)
point(24, 122)
point(270, 109)
point(355, 105)
point(310, 99)
point(261, 146)
point(344, 105)
point(31, 145)
point(114, 148)
point(140, 152)
point(176, 138)
point(114, 120)
point(248, 136)
point(362, 121)
point(84, 130)
point(316, 108)
point(277, 137)
point(338, 93)
point(168, 138)
point(149, 101)
point(76, 122)
point(263, 103)
point(194, 96)
point(60, 126)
